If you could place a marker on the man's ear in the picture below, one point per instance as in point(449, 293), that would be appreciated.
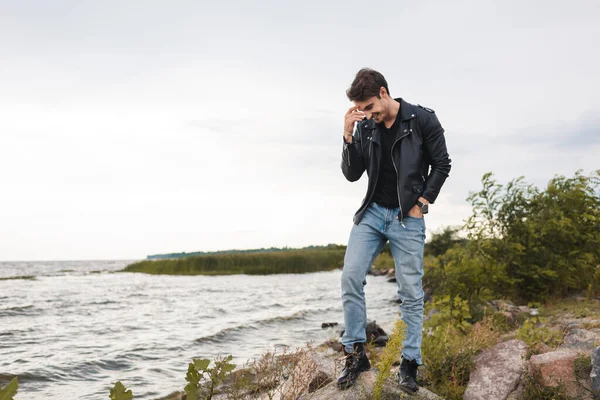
point(382, 92)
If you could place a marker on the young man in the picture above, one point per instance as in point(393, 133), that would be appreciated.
point(396, 143)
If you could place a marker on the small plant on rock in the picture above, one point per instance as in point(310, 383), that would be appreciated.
point(202, 380)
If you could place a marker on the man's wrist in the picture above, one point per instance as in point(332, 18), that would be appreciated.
point(348, 139)
point(423, 200)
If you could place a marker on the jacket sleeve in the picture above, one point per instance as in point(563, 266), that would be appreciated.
point(434, 146)
point(352, 160)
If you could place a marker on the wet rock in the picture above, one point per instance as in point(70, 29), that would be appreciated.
point(325, 325)
point(554, 368)
point(498, 371)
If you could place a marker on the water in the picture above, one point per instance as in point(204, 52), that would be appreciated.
point(79, 326)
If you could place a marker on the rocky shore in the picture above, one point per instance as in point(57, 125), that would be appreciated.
point(566, 363)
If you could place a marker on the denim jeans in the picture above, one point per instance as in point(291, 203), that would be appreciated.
point(378, 225)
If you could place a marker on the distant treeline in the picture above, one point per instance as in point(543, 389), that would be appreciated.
point(234, 251)
point(251, 263)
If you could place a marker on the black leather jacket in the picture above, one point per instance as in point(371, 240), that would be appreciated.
point(419, 144)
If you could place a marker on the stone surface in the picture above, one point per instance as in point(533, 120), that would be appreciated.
point(498, 371)
point(554, 368)
point(363, 390)
point(581, 340)
point(312, 372)
point(595, 374)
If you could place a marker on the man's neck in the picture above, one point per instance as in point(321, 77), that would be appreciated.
point(394, 110)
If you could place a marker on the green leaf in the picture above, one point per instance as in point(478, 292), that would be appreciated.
point(120, 393)
point(201, 364)
point(8, 391)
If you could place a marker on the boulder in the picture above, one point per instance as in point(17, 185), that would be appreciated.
point(595, 374)
point(312, 372)
point(554, 368)
point(581, 340)
point(363, 390)
point(498, 371)
point(374, 334)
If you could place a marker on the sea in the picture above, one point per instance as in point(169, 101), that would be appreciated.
point(71, 329)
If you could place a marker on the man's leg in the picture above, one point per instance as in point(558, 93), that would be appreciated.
point(407, 244)
point(365, 243)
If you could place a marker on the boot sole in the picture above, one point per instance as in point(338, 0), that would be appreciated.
point(344, 386)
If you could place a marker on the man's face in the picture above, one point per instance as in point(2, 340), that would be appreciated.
point(373, 108)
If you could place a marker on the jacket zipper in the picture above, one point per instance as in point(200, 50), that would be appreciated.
point(398, 179)
point(377, 176)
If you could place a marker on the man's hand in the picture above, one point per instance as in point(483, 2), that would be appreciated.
point(415, 211)
point(353, 115)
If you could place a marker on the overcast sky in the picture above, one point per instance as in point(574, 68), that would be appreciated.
point(130, 128)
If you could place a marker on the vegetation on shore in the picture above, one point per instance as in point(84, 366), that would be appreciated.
point(523, 244)
point(283, 262)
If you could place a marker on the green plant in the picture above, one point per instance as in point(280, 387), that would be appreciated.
point(583, 366)
point(203, 380)
point(534, 390)
point(7, 392)
point(534, 333)
point(388, 356)
point(119, 392)
point(449, 345)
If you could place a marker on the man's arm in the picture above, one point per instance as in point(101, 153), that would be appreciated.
point(434, 145)
point(352, 163)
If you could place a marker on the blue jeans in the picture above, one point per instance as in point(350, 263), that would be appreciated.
point(378, 225)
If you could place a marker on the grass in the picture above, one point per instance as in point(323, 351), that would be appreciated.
point(285, 262)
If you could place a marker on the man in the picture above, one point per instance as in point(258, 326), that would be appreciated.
point(396, 143)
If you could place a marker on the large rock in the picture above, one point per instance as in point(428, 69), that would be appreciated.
point(595, 374)
point(581, 340)
point(555, 368)
point(374, 333)
point(312, 372)
point(498, 371)
point(363, 390)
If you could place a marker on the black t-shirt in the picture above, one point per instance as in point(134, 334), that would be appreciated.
point(386, 192)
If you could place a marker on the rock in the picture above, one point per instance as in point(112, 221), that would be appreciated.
point(333, 344)
point(554, 368)
point(498, 371)
point(391, 272)
point(374, 334)
point(392, 280)
point(174, 396)
point(581, 340)
point(363, 390)
point(595, 374)
point(377, 272)
point(325, 325)
point(312, 372)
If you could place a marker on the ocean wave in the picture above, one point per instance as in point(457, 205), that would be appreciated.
point(233, 332)
point(9, 278)
point(19, 310)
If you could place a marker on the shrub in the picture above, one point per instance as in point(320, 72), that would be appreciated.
point(388, 356)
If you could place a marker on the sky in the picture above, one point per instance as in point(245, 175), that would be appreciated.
point(143, 127)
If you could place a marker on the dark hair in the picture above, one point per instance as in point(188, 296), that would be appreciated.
point(366, 84)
